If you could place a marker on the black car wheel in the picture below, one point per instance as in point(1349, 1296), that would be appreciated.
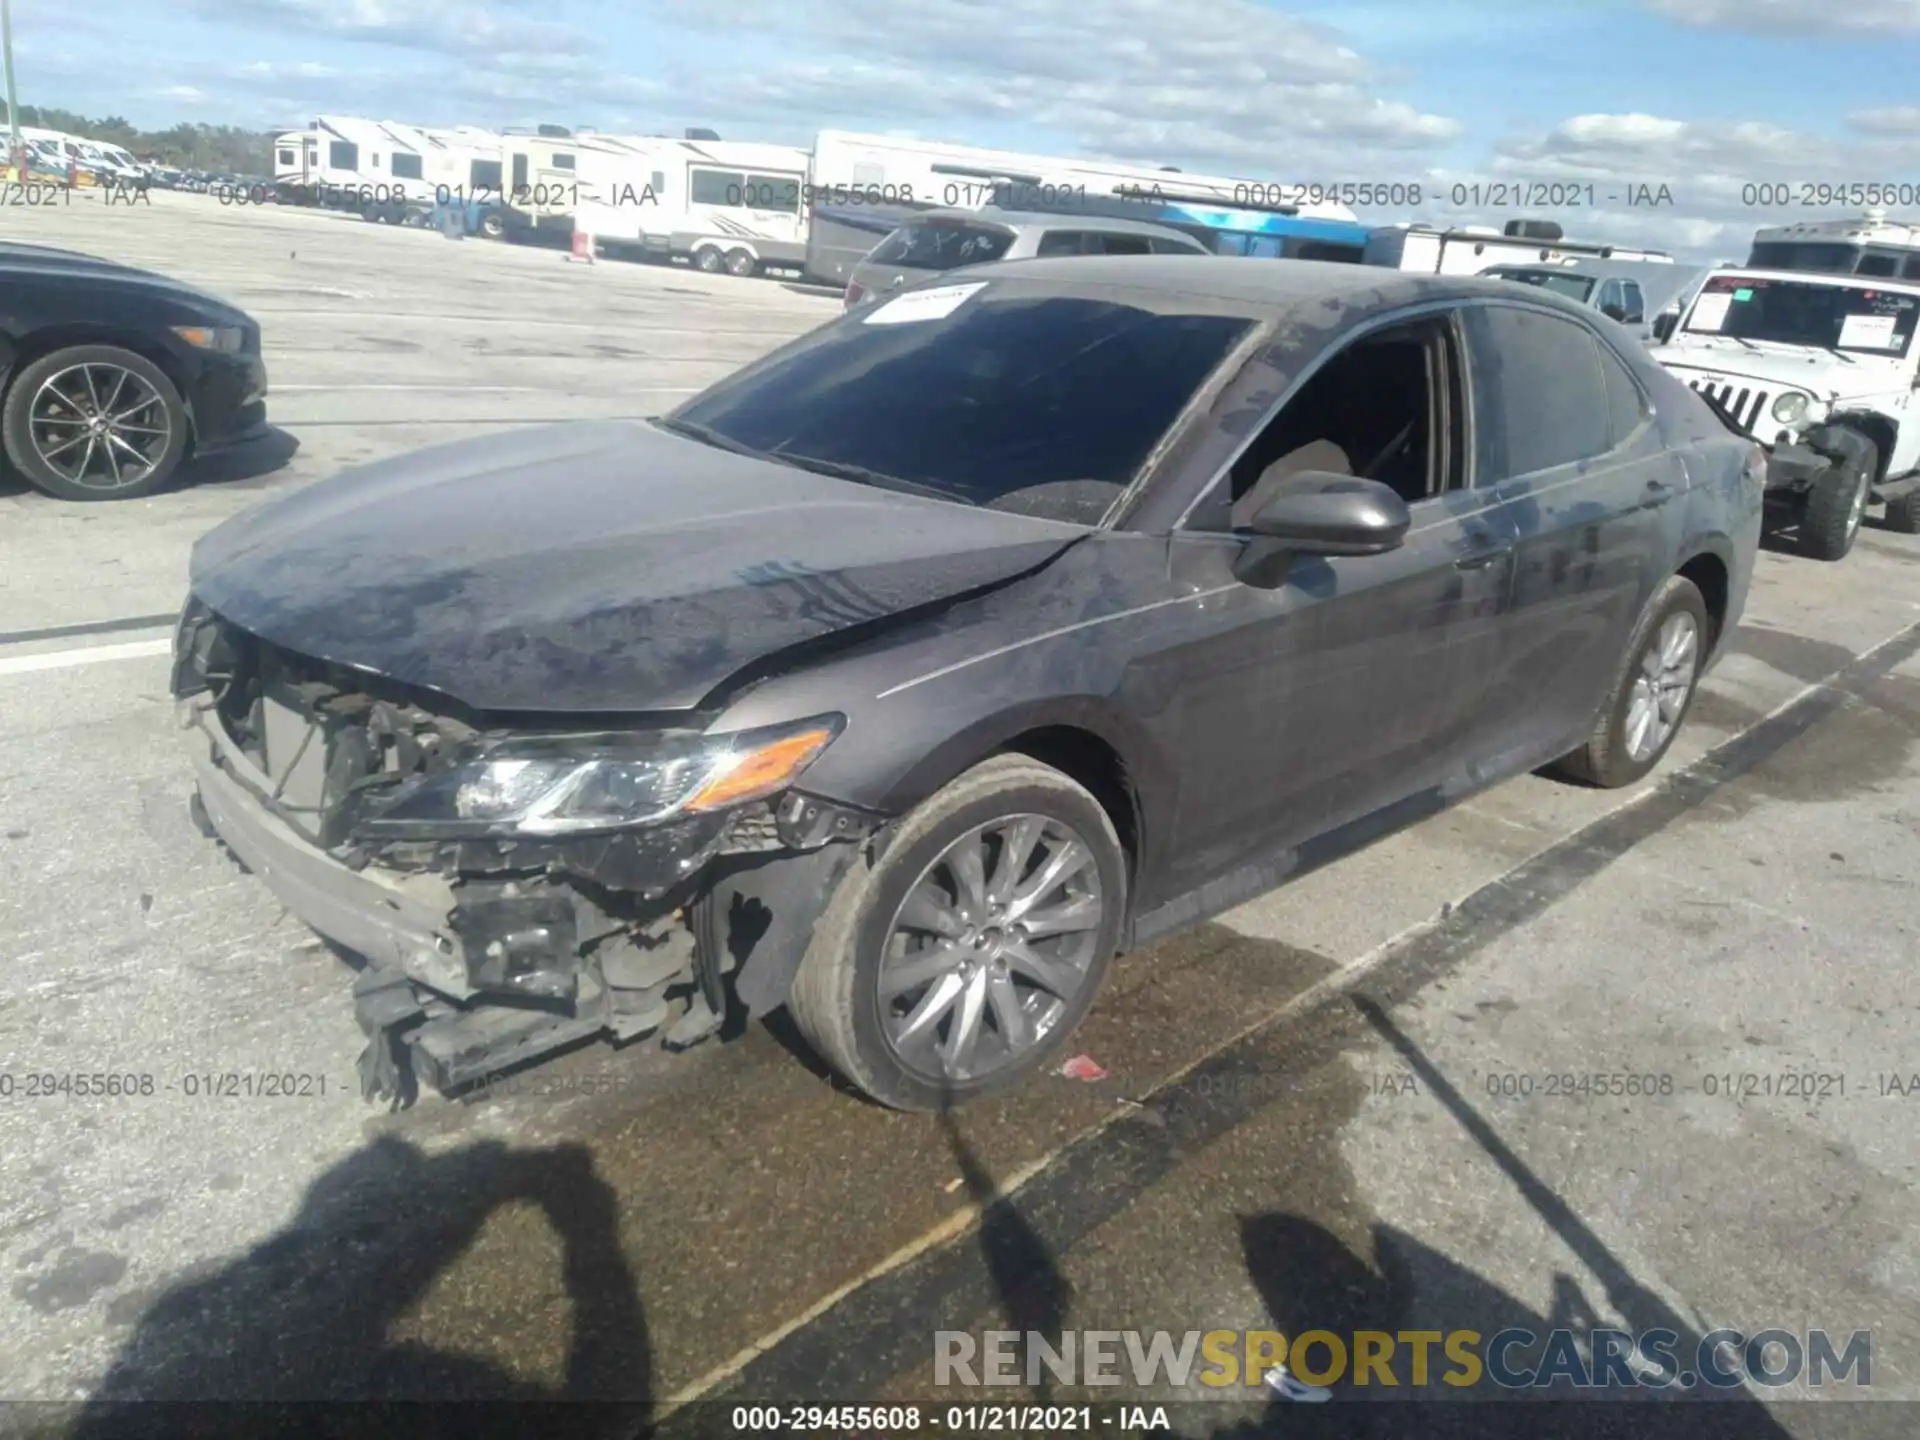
point(741, 263)
point(1652, 694)
point(1903, 513)
point(94, 422)
point(492, 226)
point(1830, 522)
point(708, 260)
point(960, 960)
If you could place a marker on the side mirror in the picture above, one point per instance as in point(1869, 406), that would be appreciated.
point(1321, 514)
point(1663, 326)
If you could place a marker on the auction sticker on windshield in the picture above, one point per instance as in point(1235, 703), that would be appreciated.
point(1710, 313)
point(1869, 332)
point(935, 304)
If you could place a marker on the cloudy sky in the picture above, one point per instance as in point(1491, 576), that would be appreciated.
point(1705, 97)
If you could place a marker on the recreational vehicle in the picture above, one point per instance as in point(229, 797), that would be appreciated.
point(1871, 245)
point(384, 170)
point(545, 183)
point(1471, 249)
point(730, 205)
point(296, 155)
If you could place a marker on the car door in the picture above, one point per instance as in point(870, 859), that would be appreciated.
point(1306, 706)
point(1565, 437)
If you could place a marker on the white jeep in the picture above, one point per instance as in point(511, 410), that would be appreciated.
point(1823, 371)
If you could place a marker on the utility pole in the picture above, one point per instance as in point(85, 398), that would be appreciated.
point(13, 106)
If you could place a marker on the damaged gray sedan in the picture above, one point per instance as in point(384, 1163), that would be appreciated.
point(909, 675)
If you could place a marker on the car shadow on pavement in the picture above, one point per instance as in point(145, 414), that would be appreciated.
point(1309, 1279)
point(252, 460)
point(300, 1329)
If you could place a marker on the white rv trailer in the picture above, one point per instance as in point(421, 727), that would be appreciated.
point(296, 155)
point(732, 205)
point(551, 171)
point(1870, 245)
point(885, 169)
point(380, 167)
point(1429, 250)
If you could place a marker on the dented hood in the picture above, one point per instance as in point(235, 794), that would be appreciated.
point(592, 567)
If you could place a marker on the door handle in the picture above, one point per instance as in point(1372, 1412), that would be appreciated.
point(1658, 493)
point(1485, 551)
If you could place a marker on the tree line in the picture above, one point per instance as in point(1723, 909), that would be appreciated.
point(225, 148)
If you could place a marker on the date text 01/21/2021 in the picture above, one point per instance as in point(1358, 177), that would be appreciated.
point(952, 1420)
point(144, 1085)
point(1810, 1085)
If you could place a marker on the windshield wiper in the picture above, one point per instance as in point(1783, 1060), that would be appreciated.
point(707, 435)
point(1841, 353)
point(842, 470)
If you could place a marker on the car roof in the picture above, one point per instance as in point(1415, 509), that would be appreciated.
point(1255, 286)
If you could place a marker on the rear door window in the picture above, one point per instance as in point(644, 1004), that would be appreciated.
point(1061, 242)
point(1112, 243)
point(1541, 397)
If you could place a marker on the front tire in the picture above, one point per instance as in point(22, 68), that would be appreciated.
point(52, 439)
point(1830, 523)
point(708, 260)
point(960, 959)
point(492, 226)
point(1652, 693)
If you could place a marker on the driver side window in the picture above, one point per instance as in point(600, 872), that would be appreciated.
point(1388, 407)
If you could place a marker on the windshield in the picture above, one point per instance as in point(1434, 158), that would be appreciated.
point(1806, 312)
point(995, 395)
point(1574, 287)
point(941, 245)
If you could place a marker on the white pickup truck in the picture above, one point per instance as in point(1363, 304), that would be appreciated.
point(1824, 371)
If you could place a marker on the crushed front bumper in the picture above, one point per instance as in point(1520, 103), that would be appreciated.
point(471, 972)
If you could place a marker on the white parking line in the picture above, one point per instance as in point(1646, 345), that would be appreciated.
point(84, 655)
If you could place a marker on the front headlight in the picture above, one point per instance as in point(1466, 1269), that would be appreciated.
point(1791, 408)
point(227, 339)
point(575, 785)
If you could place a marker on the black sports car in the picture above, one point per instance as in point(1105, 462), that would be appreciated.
point(111, 376)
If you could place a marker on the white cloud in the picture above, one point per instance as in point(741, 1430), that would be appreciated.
point(1887, 120)
point(1795, 17)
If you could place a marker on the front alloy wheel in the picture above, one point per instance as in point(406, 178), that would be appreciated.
point(95, 423)
point(990, 948)
point(958, 959)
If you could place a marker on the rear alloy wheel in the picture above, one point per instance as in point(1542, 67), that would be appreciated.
point(1835, 506)
point(741, 263)
point(94, 422)
point(959, 961)
point(1651, 695)
point(1903, 513)
point(708, 260)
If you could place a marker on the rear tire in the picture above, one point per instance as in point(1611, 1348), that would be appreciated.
point(492, 226)
point(1830, 521)
point(1903, 513)
point(708, 260)
point(741, 264)
point(1647, 677)
point(854, 981)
